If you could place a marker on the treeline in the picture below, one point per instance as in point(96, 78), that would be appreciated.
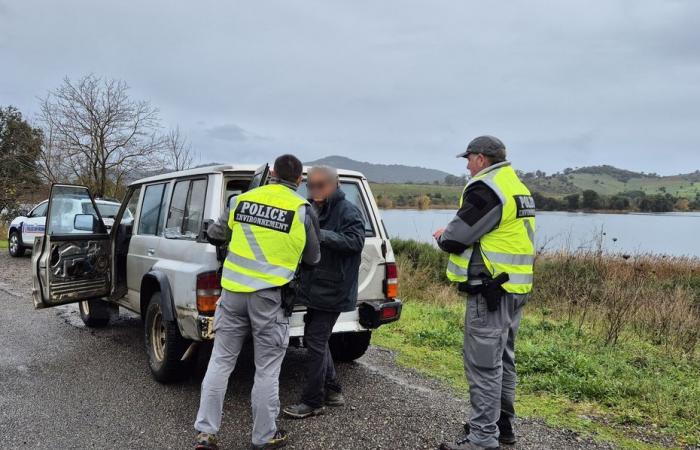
point(626, 201)
point(88, 132)
point(423, 201)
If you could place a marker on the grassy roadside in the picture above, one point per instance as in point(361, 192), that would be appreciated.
point(3, 236)
point(633, 383)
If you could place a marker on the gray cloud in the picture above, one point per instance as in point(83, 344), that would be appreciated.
point(562, 83)
point(228, 132)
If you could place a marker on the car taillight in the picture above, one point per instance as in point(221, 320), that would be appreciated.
point(391, 287)
point(389, 313)
point(208, 291)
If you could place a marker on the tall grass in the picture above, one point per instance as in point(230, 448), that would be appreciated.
point(652, 297)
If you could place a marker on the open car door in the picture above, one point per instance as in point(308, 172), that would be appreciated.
point(72, 261)
point(260, 177)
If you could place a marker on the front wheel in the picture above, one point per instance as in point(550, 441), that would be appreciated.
point(348, 347)
point(164, 344)
point(14, 246)
point(97, 313)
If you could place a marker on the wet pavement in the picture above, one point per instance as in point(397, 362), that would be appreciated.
point(63, 385)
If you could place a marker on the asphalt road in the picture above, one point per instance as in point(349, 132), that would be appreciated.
point(66, 386)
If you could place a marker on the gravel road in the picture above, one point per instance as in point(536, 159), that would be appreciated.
point(66, 386)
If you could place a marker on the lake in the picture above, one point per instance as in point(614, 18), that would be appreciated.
point(666, 233)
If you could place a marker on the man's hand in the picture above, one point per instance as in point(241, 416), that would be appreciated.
point(438, 233)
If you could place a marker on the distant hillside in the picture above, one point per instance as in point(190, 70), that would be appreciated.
point(384, 173)
point(608, 180)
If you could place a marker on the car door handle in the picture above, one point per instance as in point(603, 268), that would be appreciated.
point(151, 251)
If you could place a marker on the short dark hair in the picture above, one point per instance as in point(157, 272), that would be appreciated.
point(495, 159)
point(288, 168)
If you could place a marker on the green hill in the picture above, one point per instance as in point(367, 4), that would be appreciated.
point(662, 192)
point(608, 180)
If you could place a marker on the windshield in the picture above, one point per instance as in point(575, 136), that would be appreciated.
point(109, 210)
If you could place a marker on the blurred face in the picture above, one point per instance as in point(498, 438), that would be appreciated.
point(476, 162)
point(320, 187)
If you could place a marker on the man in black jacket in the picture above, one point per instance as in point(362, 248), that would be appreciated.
point(329, 289)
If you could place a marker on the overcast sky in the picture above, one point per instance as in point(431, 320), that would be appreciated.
point(562, 83)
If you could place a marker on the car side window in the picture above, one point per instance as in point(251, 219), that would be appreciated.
point(131, 205)
point(177, 209)
point(67, 215)
point(39, 211)
point(186, 209)
point(150, 218)
point(195, 208)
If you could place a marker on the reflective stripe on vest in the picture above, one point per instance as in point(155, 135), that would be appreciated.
point(510, 247)
point(267, 239)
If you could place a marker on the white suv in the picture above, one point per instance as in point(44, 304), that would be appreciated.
point(25, 228)
point(156, 262)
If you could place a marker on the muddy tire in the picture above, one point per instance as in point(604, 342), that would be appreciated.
point(164, 344)
point(346, 347)
point(97, 313)
point(14, 245)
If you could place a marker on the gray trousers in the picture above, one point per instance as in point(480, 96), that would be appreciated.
point(489, 362)
point(237, 315)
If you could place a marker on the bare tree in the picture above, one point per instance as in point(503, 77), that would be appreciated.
point(178, 151)
point(97, 135)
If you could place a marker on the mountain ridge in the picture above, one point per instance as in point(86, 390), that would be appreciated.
point(384, 173)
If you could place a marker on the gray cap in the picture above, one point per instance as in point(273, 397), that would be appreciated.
point(487, 146)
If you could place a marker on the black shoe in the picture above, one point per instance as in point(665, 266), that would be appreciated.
point(279, 440)
point(206, 441)
point(302, 411)
point(334, 398)
point(505, 436)
point(463, 444)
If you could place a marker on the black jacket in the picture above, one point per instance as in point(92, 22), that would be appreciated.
point(332, 284)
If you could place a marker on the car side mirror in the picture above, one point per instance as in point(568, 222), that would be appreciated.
point(24, 213)
point(85, 222)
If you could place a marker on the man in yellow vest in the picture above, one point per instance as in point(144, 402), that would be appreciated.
point(270, 230)
point(492, 251)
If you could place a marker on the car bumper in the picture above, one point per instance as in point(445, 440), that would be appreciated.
point(367, 316)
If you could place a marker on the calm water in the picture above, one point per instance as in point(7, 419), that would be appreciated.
point(668, 233)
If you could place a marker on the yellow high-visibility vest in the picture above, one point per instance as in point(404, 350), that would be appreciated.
point(267, 239)
point(510, 247)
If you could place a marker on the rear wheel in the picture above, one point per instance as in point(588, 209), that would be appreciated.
point(348, 347)
point(14, 245)
point(164, 344)
point(97, 313)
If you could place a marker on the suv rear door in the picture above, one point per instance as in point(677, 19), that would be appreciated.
point(72, 261)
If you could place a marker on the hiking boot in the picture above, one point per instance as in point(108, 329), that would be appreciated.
point(506, 434)
point(206, 441)
point(334, 398)
point(463, 444)
point(302, 411)
point(279, 440)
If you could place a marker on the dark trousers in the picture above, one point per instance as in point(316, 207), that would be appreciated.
point(320, 371)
